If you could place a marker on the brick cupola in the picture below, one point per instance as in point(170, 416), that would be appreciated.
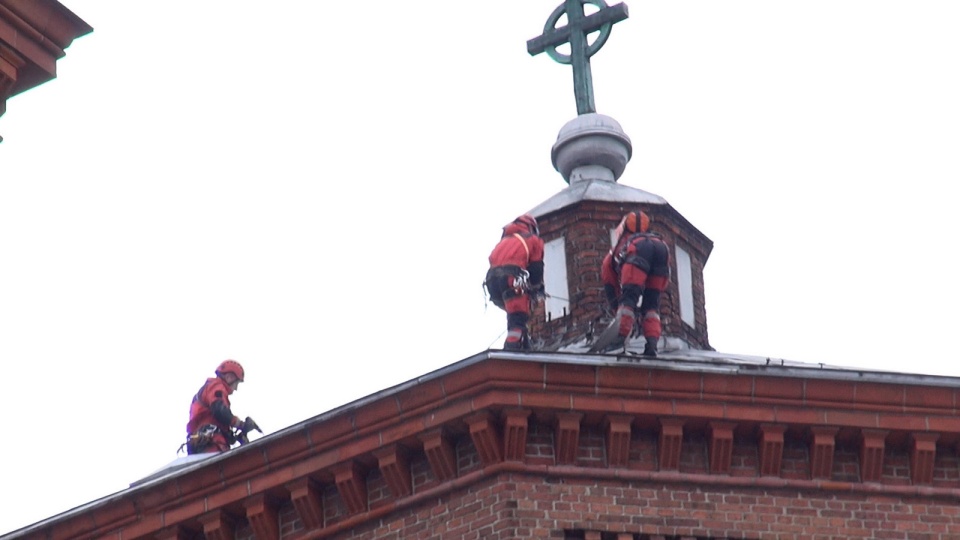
point(576, 224)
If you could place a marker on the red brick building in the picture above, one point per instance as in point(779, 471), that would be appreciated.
point(33, 36)
point(561, 444)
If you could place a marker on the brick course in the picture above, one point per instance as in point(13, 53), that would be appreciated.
point(513, 505)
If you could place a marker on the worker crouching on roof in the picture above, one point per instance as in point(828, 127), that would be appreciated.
point(638, 265)
point(211, 424)
point(516, 271)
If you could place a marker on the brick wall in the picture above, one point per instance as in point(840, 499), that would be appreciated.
point(511, 506)
point(585, 228)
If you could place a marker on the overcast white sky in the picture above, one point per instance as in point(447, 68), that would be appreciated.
point(312, 188)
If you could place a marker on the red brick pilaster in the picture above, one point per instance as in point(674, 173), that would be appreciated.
point(823, 440)
point(307, 499)
point(440, 454)
point(217, 525)
point(771, 449)
point(671, 438)
point(485, 437)
point(395, 467)
point(515, 425)
point(923, 453)
point(262, 515)
point(567, 438)
point(872, 448)
point(591, 535)
point(352, 485)
point(618, 440)
point(721, 446)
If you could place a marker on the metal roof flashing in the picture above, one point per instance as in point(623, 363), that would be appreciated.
point(595, 190)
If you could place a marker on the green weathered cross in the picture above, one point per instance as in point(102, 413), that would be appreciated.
point(575, 32)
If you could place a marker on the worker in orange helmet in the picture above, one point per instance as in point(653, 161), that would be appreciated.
point(637, 266)
point(516, 272)
point(211, 424)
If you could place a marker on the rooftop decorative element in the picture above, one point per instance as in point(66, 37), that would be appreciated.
point(578, 27)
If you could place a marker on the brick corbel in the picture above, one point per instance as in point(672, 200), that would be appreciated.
point(485, 437)
point(515, 426)
point(923, 453)
point(218, 525)
point(395, 466)
point(440, 454)
point(721, 446)
point(771, 449)
point(567, 438)
point(671, 439)
point(872, 447)
point(592, 535)
point(352, 485)
point(262, 515)
point(618, 439)
point(823, 441)
point(307, 499)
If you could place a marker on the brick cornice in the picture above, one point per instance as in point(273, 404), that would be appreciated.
point(491, 401)
point(33, 36)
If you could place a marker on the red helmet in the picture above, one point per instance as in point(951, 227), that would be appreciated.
point(230, 366)
point(637, 221)
point(529, 222)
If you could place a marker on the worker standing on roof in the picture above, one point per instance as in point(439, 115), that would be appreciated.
point(638, 265)
point(516, 272)
point(211, 424)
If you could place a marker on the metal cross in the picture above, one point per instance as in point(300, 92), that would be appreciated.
point(575, 32)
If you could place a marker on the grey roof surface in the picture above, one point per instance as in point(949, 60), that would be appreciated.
point(595, 190)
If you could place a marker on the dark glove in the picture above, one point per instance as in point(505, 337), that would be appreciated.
point(249, 425)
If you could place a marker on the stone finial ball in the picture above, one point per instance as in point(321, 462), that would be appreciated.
point(591, 139)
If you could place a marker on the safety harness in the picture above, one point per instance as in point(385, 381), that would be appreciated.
point(198, 442)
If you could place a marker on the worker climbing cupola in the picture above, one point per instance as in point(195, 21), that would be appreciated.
point(578, 224)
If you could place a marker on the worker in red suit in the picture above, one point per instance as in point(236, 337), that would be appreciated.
point(516, 273)
point(637, 266)
point(211, 424)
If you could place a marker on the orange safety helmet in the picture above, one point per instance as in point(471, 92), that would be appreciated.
point(636, 222)
point(529, 222)
point(230, 366)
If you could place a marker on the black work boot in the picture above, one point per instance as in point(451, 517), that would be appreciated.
point(650, 349)
point(525, 341)
point(512, 346)
point(514, 340)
